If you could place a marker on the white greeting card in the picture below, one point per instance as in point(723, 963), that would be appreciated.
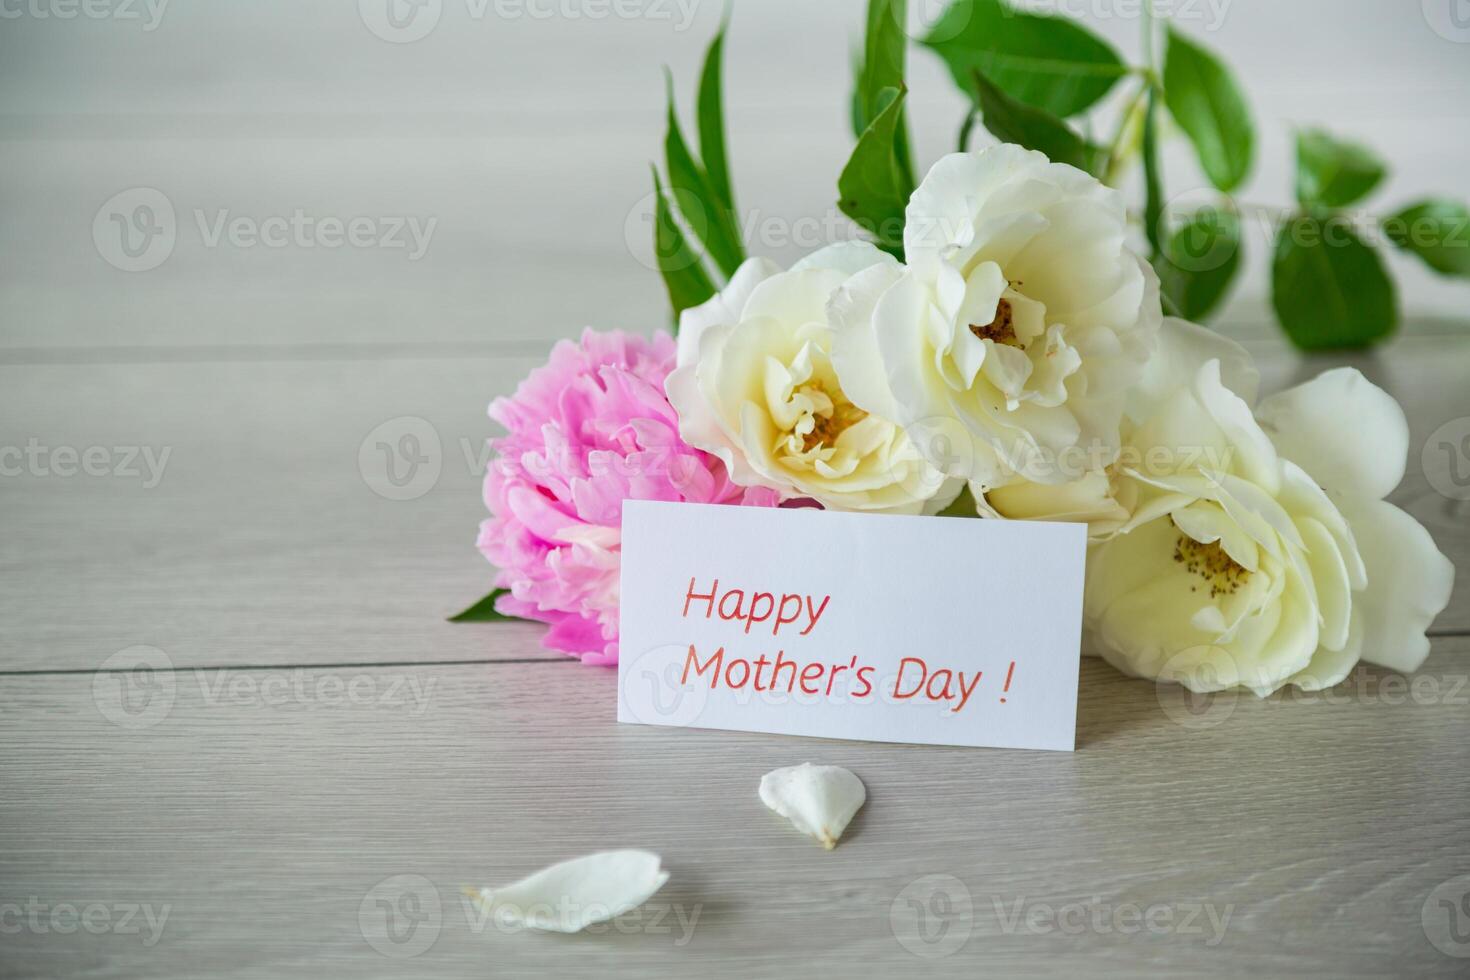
point(939, 631)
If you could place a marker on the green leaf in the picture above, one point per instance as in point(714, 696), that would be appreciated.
point(684, 276)
point(1011, 121)
point(700, 203)
point(874, 190)
point(1153, 176)
point(884, 48)
point(1199, 262)
point(1438, 231)
point(1331, 173)
point(484, 611)
point(1207, 103)
point(1047, 62)
point(712, 122)
point(1330, 289)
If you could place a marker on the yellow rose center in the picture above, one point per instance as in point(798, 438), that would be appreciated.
point(1002, 329)
point(1223, 574)
point(830, 418)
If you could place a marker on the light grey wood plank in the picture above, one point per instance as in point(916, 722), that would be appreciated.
point(1320, 826)
point(536, 235)
point(264, 543)
point(265, 539)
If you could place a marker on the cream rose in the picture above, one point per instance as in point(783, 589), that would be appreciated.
point(1092, 498)
point(756, 386)
point(1237, 553)
point(1021, 320)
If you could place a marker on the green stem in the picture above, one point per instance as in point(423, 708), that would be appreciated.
point(966, 129)
point(1115, 145)
point(1149, 34)
point(1151, 82)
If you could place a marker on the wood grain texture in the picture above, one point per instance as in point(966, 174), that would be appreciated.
point(297, 109)
point(355, 737)
point(268, 538)
point(1318, 826)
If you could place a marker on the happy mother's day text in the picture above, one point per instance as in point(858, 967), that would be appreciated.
point(798, 614)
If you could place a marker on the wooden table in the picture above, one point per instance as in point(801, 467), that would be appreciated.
point(241, 740)
point(227, 689)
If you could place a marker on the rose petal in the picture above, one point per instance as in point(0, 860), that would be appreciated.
point(724, 308)
point(818, 800)
point(1409, 582)
point(855, 355)
point(848, 258)
point(1183, 349)
point(1349, 434)
point(1329, 667)
point(572, 895)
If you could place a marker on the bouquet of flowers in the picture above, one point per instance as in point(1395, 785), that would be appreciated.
point(997, 349)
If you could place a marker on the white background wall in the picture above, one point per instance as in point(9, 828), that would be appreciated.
point(524, 129)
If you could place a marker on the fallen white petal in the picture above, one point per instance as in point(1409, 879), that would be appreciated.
point(575, 894)
point(818, 800)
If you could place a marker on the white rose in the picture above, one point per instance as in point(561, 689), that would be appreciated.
point(1182, 349)
point(755, 385)
point(1021, 320)
point(1262, 554)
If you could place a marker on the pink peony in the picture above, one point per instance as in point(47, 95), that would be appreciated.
point(587, 431)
